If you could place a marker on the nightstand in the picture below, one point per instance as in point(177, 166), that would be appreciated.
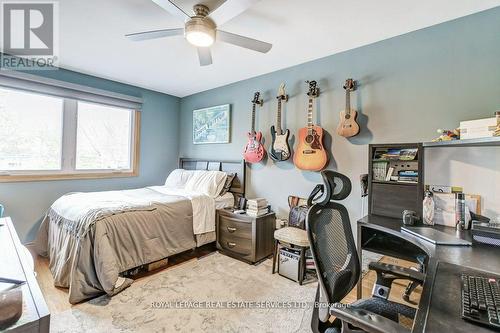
point(244, 237)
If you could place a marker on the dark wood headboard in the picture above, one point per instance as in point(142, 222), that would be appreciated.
point(237, 167)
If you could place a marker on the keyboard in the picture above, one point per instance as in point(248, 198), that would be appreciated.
point(481, 300)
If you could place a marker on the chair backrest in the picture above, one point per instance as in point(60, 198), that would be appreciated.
point(298, 212)
point(332, 242)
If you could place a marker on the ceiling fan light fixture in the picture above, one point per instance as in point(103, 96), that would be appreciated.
point(199, 38)
point(200, 32)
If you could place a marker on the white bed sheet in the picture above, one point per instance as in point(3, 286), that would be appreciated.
point(224, 201)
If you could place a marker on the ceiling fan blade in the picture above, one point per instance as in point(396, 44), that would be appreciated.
point(230, 9)
point(172, 8)
point(146, 35)
point(242, 41)
point(205, 56)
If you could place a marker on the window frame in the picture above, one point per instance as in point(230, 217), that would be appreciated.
point(68, 150)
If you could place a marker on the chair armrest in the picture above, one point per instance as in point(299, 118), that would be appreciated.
point(397, 271)
point(366, 320)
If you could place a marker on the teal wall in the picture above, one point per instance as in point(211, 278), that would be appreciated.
point(26, 202)
point(409, 86)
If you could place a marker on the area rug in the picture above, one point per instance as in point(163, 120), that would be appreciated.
point(213, 294)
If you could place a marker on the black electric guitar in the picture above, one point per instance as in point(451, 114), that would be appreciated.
point(280, 150)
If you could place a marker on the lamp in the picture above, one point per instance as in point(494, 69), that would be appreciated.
point(200, 31)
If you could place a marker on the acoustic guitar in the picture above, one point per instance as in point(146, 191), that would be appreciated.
point(348, 126)
point(254, 150)
point(310, 153)
point(280, 150)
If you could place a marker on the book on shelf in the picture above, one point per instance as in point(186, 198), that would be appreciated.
point(395, 154)
point(258, 212)
point(379, 170)
point(408, 154)
point(408, 173)
point(256, 204)
point(389, 174)
point(411, 181)
point(407, 178)
point(391, 154)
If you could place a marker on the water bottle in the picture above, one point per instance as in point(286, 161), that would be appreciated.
point(428, 208)
point(460, 211)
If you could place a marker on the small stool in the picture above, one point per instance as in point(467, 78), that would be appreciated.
point(293, 238)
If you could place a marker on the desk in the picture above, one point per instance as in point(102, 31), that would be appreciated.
point(430, 316)
point(14, 264)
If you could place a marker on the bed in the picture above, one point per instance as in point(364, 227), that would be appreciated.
point(90, 238)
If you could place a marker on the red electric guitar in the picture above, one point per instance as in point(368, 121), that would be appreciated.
point(254, 150)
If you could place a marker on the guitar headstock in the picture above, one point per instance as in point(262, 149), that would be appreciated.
point(350, 85)
point(281, 93)
point(256, 99)
point(313, 89)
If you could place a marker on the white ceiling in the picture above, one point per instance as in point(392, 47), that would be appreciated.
point(92, 37)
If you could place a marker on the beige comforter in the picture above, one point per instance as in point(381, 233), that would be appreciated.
point(89, 261)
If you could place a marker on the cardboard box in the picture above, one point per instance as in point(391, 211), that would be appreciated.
point(479, 128)
point(444, 207)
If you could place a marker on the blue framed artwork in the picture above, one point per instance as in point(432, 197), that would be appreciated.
point(211, 125)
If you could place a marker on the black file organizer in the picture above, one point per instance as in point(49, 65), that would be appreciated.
point(390, 198)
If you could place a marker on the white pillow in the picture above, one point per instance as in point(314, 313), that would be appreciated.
point(178, 178)
point(207, 182)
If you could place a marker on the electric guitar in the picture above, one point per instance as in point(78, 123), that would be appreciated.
point(254, 150)
point(310, 153)
point(279, 150)
point(348, 126)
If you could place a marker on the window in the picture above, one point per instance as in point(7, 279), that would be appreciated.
point(103, 137)
point(31, 131)
point(47, 137)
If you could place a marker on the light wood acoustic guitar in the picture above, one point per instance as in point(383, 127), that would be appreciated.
point(310, 153)
point(254, 150)
point(280, 150)
point(348, 127)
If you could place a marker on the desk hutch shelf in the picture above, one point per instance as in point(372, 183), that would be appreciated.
point(394, 180)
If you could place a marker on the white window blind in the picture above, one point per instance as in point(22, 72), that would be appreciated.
point(47, 86)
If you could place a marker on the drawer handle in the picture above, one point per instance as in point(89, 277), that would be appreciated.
point(231, 245)
point(231, 229)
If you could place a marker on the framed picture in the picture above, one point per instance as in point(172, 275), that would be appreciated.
point(211, 125)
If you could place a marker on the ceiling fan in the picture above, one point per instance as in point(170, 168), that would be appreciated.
point(201, 29)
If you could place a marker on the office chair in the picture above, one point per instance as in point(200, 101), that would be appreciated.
point(338, 269)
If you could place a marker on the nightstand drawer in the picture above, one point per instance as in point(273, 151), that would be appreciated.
point(244, 237)
point(237, 245)
point(231, 227)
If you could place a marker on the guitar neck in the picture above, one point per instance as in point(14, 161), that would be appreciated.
point(278, 117)
point(310, 115)
point(347, 101)
point(253, 118)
